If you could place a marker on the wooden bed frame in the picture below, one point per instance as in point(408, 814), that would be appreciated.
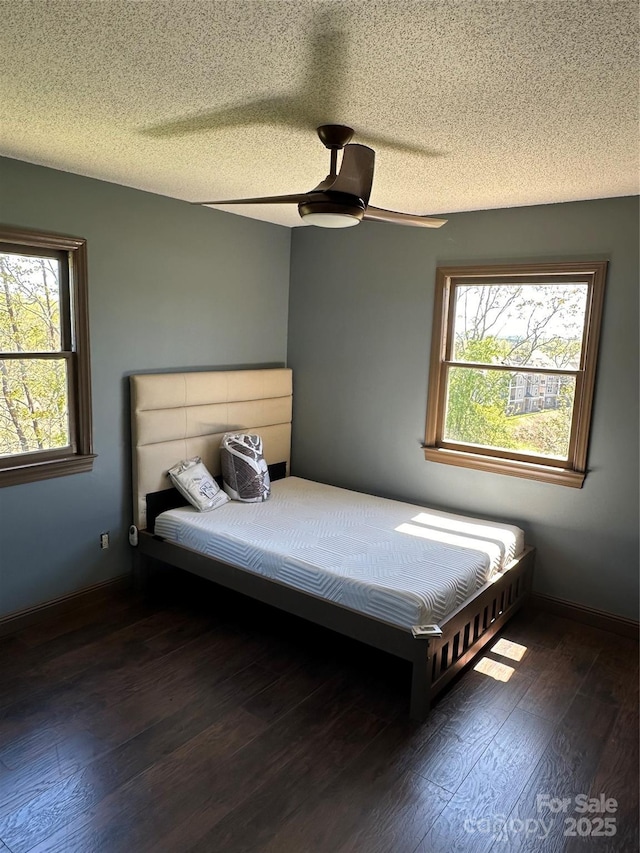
point(435, 660)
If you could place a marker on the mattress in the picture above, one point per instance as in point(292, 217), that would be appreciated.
point(403, 564)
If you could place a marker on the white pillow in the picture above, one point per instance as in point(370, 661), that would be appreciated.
point(245, 474)
point(195, 483)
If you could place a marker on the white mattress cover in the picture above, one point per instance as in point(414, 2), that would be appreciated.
point(404, 564)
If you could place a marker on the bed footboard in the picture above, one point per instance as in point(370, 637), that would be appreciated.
point(466, 632)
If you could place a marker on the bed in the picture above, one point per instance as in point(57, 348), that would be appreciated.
point(430, 587)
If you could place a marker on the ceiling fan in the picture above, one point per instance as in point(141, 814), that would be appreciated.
point(342, 198)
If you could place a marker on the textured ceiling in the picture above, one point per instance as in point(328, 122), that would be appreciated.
point(469, 105)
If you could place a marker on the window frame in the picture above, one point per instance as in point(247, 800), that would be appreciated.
point(571, 472)
point(75, 349)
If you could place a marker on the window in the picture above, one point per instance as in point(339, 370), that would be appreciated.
point(45, 391)
point(513, 364)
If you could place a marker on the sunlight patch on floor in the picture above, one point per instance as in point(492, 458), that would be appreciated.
point(494, 669)
point(509, 649)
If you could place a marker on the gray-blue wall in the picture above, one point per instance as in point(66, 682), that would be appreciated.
point(170, 286)
point(360, 315)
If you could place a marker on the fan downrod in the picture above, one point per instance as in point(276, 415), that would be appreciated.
point(335, 136)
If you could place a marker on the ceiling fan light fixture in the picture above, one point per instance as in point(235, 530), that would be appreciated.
point(330, 220)
point(332, 214)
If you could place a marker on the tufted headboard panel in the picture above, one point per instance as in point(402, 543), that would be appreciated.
point(178, 415)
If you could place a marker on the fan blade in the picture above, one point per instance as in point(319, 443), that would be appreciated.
point(270, 199)
point(356, 172)
point(377, 214)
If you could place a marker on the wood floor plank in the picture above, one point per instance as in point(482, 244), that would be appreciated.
point(173, 688)
point(187, 677)
point(189, 721)
point(554, 689)
point(252, 823)
point(538, 627)
point(475, 711)
point(401, 818)
point(613, 672)
point(106, 610)
point(62, 803)
point(20, 785)
point(30, 657)
point(368, 788)
point(286, 692)
point(130, 642)
point(310, 646)
point(12, 648)
point(42, 666)
point(208, 777)
point(183, 628)
point(458, 745)
point(564, 771)
point(385, 687)
point(477, 688)
point(28, 726)
point(581, 635)
point(617, 777)
point(492, 787)
point(84, 626)
point(29, 745)
point(107, 652)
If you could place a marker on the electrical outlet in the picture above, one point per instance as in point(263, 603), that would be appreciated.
point(104, 540)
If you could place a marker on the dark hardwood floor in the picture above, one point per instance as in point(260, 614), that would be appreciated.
point(189, 720)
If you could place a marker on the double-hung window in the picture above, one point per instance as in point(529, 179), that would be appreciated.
point(513, 364)
point(45, 389)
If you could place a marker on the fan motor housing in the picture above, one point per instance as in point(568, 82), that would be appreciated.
point(347, 205)
point(335, 135)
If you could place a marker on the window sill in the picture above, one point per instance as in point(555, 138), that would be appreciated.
point(510, 467)
point(45, 470)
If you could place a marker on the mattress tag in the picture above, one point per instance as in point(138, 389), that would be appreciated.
point(426, 631)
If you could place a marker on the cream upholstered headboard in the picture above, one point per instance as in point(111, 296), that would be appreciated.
point(178, 415)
